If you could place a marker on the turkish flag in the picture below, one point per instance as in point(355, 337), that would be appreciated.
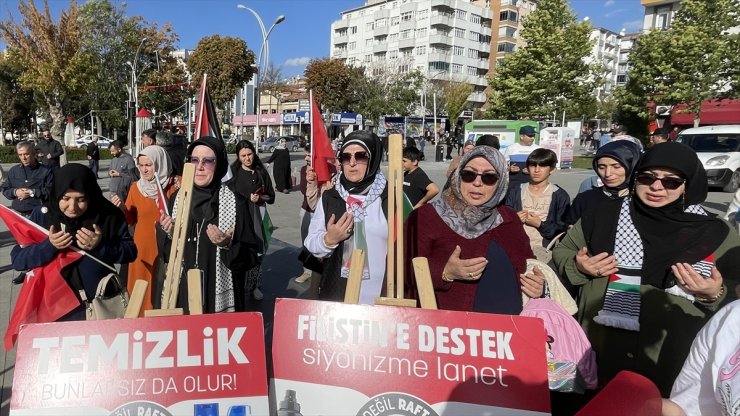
point(45, 295)
point(322, 154)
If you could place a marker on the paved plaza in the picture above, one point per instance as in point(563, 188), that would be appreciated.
point(280, 266)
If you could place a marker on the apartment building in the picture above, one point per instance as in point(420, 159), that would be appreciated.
point(659, 13)
point(444, 39)
point(606, 52)
point(626, 43)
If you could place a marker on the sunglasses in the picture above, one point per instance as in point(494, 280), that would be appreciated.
point(647, 179)
point(208, 162)
point(488, 178)
point(361, 158)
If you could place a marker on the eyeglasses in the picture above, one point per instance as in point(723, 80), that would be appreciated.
point(208, 162)
point(488, 178)
point(361, 158)
point(647, 179)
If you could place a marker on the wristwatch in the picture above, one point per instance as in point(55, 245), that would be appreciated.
point(33, 195)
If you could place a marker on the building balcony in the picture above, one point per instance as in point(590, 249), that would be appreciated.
point(485, 31)
point(341, 24)
point(440, 39)
point(484, 64)
point(339, 53)
point(657, 2)
point(339, 40)
point(440, 19)
point(380, 31)
point(408, 25)
point(439, 57)
point(380, 47)
point(477, 97)
point(406, 43)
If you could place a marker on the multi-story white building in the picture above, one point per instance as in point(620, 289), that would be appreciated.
point(659, 13)
point(605, 51)
point(444, 39)
point(626, 43)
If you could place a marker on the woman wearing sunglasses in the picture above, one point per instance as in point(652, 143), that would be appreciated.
point(477, 249)
point(352, 215)
point(652, 269)
point(215, 212)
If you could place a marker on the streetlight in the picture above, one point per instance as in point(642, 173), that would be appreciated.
point(266, 48)
point(133, 95)
point(434, 101)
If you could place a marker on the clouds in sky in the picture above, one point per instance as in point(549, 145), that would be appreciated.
point(301, 61)
point(609, 3)
point(613, 12)
point(632, 26)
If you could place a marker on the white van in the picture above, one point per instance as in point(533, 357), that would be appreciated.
point(718, 148)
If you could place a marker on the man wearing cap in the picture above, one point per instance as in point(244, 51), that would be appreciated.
point(658, 136)
point(620, 133)
point(517, 153)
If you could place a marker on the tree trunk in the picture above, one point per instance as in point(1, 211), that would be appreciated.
point(57, 117)
point(696, 119)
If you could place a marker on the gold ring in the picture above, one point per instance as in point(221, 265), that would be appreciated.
point(349, 230)
point(598, 272)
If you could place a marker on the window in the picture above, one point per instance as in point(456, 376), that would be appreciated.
point(392, 37)
point(507, 31)
point(662, 19)
point(407, 51)
point(369, 42)
point(439, 66)
point(352, 46)
point(460, 14)
point(407, 16)
point(370, 26)
point(621, 79)
point(475, 19)
point(473, 53)
point(457, 68)
point(368, 58)
point(422, 14)
point(381, 22)
point(406, 34)
point(379, 57)
point(505, 47)
point(340, 33)
point(353, 30)
point(459, 33)
point(472, 70)
point(421, 50)
point(458, 51)
point(393, 54)
point(421, 33)
point(404, 68)
point(508, 15)
point(394, 20)
point(473, 36)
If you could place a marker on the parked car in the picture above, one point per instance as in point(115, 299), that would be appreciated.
point(271, 142)
point(301, 140)
point(82, 142)
point(718, 148)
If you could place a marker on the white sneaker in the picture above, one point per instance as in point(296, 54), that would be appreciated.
point(302, 278)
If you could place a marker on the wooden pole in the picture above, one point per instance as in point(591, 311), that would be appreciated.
point(354, 281)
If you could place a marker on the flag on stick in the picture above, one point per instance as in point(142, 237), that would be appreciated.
point(322, 154)
point(206, 122)
point(45, 296)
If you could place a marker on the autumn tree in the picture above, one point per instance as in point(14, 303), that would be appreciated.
point(332, 82)
point(228, 63)
point(55, 66)
point(549, 72)
point(455, 97)
point(696, 59)
point(272, 83)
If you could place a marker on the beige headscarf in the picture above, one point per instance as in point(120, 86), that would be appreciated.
point(162, 170)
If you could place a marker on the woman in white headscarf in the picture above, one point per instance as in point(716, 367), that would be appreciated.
point(146, 199)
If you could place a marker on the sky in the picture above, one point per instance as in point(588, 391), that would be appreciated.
point(305, 33)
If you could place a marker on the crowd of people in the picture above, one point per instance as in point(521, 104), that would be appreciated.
point(646, 265)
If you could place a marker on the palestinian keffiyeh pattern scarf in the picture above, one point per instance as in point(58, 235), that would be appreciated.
point(622, 300)
point(359, 214)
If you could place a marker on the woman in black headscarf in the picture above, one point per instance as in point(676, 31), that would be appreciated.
point(613, 163)
point(78, 215)
point(253, 187)
point(651, 269)
point(353, 215)
point(211, 226)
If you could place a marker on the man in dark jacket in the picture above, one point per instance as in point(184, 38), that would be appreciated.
point(49, 151)
point(27, 185)
point(177, 153)
point(93, 155)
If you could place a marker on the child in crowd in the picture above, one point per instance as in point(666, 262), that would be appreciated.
point(416, 184)
point(541, 205)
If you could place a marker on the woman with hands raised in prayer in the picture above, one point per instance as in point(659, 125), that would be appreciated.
point(352, 215)
point(477, 249)
point(652, 269)
point(78, 215)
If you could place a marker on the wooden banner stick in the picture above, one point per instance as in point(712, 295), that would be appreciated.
point(174, 267)
point(195, 304)
point(136, 299)
point(354, 281)
point(424, 283)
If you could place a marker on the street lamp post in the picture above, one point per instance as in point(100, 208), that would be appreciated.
point(133, 94)
point(265, 47)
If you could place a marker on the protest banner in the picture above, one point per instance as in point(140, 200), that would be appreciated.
point(339, 359)
point(197, 365)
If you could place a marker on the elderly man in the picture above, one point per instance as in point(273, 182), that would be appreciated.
point(148, 137)
point(27, 185)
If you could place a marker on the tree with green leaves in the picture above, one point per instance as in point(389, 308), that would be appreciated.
point(385, 89)
point(16, 103)
point(695, 60)
point(455, 97)
point(55, 66)
point(332, 82)
point(228, 63)
point(549, 72)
